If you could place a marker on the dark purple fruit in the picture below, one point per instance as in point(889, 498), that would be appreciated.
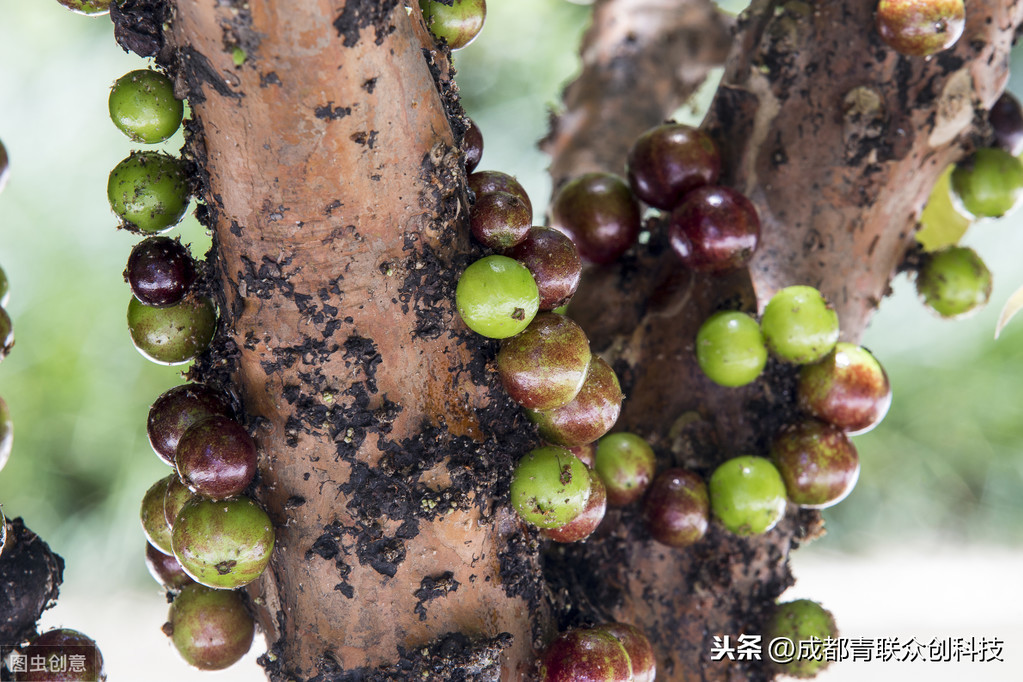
point(211, 629)
point(586, 655)
point(637, 646)
point(817, 462)
point(485, 182)
point(500, 220)
point(223, 544)
point(625, 463)
point(544, 366)
point(553, 259)
point(715, 228)
point(598, 212)
point(589, 416)
point(216, 458)
point(583, 525)
point(472, 146)
point(847, 388)
point(154, 523)
point(176, 410)
point(160, 271)
point(677, 508)
point(670, 160)
point(166, 570)
point(1006, 118)
point(63, 655)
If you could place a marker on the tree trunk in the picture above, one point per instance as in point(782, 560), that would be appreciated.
point(326, 141)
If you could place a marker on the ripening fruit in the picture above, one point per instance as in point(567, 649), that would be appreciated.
point(637, 646)
point(149, 191)
point(801, 621)
point(211, 629)
point(485, 182)
point(583, 525)
point(500, 220)
point(919, 28)
point(544, 366)
point(554, 261)
point(216, 458)
point(550, 487)
point(989, 184)
point(799, 326)
point(176, 498)
point(89, 7)
point(160, 271)
point(670, 160)
point(472, 147)
point(625, 463)
point(223, 544)
point(497, 297)
point(458, 22)
point(154, 523)
point(166, 570)
point(63, 644)
point(143, 107)
point(817, 462)
point(584, 655)
point(175, 334)
point(677, 508)
point(599, 213)
point(730, 348)
point(589, 415)
point(847, 388)
point(747, 495)
point(954, 282)
point(177, 409)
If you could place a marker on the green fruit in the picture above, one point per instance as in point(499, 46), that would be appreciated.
point(211, 629)
point(625, 463)
point(550, 487)
point(730, 348)
point(801, 621)
point(497, 297)
point(223, 544)
point(799, 326)
point(175, 334)
point(747, 494)
point(954, 282)
point(154, 523)
point(143, 107)
point(989, 184)
point(458, 22)
point(941, 223)
point(149, 191)
point(89, 7)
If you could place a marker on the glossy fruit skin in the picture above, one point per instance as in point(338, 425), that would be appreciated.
point(211, 629)
point(5, 168)
point(550, 487)
point(800, 621)
point(637, 646)
point(458, 23)
point(223, 544)
point(6, 433)
point(847, 388)
point(176, 497)
point(497, 297)
point(160, 271)
point(677, 508)
point(714, 229)
point(1006, 119)
point(500, 220)
point(472, 146)
point(600, 214)
point(143, 107)
point(747, 495)
point(216, 458)
point(583, 525)
point(989, 184)
point(93, 8)
point(954, 282)
point(485, 182)
point(585, 655)
point(799, 326)
point(64, 642)
point(4, 284)
point(6, 334)
point(625, 463)
point(149, 191)
point(730, 348)
point(554, 261)
point(177, 409)
point(175, 334)
point(166, 570)
point(918, 28)
point(544, 367)
point(154, 524)
point(670, 160)
point(587, 454)
point(589, 415)
point(819, 465)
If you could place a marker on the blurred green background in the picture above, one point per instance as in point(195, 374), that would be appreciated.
point(945, 467)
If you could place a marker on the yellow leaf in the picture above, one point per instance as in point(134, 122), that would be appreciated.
point(1012, 306)
point(942, 224)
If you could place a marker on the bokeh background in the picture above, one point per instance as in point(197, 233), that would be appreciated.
point(930, 543)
